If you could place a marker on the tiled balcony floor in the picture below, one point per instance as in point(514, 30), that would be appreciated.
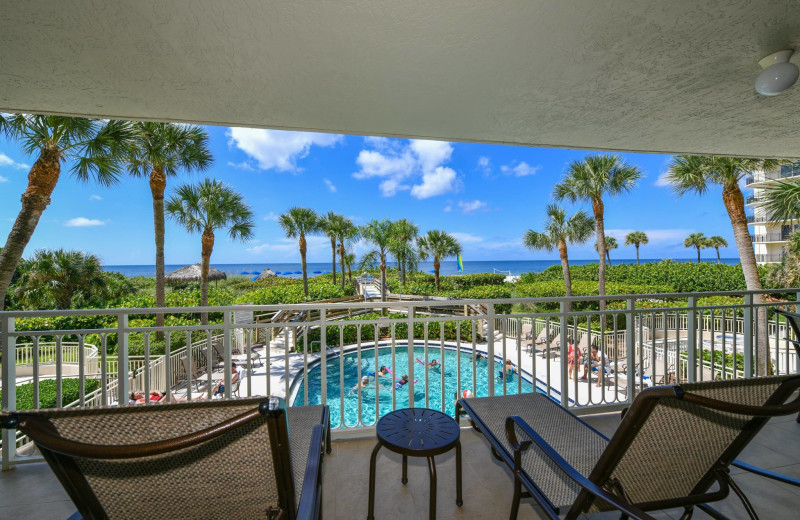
point(31, 491)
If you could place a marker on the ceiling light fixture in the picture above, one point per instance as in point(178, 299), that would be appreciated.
point(778, 74)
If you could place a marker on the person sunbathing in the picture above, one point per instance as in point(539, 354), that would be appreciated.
point(219, 388)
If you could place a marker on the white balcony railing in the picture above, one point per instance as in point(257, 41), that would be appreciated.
point(318, 353)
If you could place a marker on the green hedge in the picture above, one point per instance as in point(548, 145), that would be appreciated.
point(679, 276)
point(350, 332)
point(281, 292)
point(424, 283)
point(47, 393)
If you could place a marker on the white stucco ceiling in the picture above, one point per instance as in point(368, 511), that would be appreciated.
point(668, 76)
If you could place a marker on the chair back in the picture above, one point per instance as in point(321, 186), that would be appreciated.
point(169, 461)
point(676, 441)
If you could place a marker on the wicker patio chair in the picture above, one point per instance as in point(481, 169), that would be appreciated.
point(672, 449)
point(793, 319)
point(248, 458)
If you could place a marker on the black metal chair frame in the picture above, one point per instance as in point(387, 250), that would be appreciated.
point(60, 454)
point(595, 488)
point(793, 319)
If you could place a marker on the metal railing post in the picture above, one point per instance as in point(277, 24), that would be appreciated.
point(691, 342)
point(8, 343)
point(564, 385)
point(227, 350)
point(748, 335)
point(411, 360)
point(490, 346)
point(630, 349)
point(323, 355)
point(123, 386)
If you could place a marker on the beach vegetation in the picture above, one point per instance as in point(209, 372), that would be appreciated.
point(636, 238)
point(439, 245)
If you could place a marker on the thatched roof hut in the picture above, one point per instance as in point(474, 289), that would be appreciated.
point(266, 273)
point(191, 273)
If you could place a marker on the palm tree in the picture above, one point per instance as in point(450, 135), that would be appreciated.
point(379, 233)
point(297, 223)
point(589, 180)
point(96, 148)
point(439, 245)
point(162, 150)
point(347, 233)
point(697, 240)
point(611, 243)
point(330, 225)
point(404, 236)
point(694, 173)
point(782, 201)
point(716, 242)
point(558, 232)
point(636, 238)
point(348, 261)
point(59, 279)
point(205, 208)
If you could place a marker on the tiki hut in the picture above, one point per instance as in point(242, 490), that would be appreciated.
point(266, 273)
point(191, 273)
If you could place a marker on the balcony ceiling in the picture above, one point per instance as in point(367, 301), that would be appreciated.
point(642, 76)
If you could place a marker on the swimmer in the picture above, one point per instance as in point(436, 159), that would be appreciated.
point(383, 372)
point(434, 363)
point(364, 383)
point(509, 367)
point(479, 357)
point(403, 380)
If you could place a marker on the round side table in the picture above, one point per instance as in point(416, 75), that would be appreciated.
point(417, 432)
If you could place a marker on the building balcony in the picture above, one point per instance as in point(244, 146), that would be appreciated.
point(317, 353)
point(786, 171)
point(770, 258)
point(752, 200)
point(769, 237)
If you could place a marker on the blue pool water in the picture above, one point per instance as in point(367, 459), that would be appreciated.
point(386, 385)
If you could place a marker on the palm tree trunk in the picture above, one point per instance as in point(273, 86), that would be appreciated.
point(562, 252)
point(333, 258)
point(599, 227)
point(698, 255)
point(303, 263)
point(734, 203)
point(42, 180)
point(608, 256)
point(719, 260)
point(637, 254)
point(383, 277)
point(341, 263)
point(158, 184)
point(436, 265)
point(207, 241)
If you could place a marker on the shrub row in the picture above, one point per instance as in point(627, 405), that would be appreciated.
point(678, 276)
point(47, 392)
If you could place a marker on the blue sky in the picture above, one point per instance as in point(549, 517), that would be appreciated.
point(487, 195)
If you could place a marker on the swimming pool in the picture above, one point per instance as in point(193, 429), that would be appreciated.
point(381, 397)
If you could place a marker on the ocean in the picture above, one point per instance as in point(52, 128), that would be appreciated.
point(512, 267)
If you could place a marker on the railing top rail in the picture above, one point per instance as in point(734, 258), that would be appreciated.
point(376, 305)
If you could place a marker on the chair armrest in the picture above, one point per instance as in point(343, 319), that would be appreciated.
point(786, 479)
point(573, 474)
point(311, 494)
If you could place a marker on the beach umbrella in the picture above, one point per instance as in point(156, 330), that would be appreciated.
point(432, 271)
point(298, 272)
point(245, 272)
point(191, 273)
point(253, 279)
point(255, 272)
point(266, 273)
point(278, 272)
point(317, 271)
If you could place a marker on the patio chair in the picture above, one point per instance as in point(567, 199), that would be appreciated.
point(672, 449)
point(793, 319)
point(219, 356)
point(247, 458)
point(193, 373)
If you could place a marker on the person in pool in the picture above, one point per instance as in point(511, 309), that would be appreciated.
point(383, 372)
point(403, 380)
point(479, 357)
point(434, 363)
point(509, 367)
point(364, 383)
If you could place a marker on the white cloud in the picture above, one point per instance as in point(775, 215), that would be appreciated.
point(8, 161)
point(437, 182)
point(277, 149)
point(271, 216)
point(520, 170)
point(84, 222)
point(467, 238)
point(244, 165)
point(662, 180)
point(397, 164)
point(330, 185)
point(3, 179)
point(448, 208)
point(471, 206)
point(485, 165)
point(95, 197)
